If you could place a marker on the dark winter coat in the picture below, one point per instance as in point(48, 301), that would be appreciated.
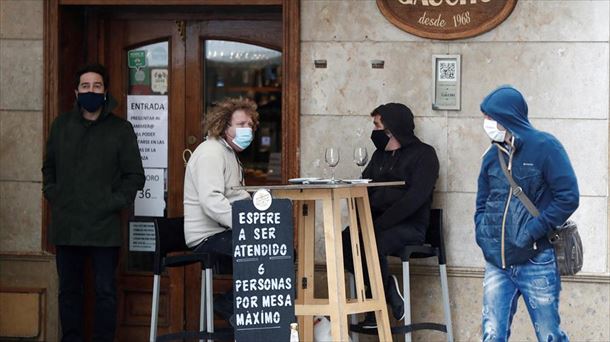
point(91, 170)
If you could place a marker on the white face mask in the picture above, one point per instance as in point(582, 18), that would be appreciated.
point(491, 128)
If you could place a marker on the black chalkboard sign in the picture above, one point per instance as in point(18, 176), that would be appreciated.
point(263, 271)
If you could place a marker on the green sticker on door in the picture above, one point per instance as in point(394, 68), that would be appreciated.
point(136, 59)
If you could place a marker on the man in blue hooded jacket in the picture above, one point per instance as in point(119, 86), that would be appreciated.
point(519, 258)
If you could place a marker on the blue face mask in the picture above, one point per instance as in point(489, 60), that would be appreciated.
point(91, 101)
point(243, 137)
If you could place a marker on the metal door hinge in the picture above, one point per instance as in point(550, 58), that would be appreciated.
point(181, 26)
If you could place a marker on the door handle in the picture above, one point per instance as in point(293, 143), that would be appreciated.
point(186, 155)
point(191, 139)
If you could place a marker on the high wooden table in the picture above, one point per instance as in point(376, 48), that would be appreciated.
point(337, 306)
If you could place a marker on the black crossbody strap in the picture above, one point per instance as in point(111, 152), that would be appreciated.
point(517, 190)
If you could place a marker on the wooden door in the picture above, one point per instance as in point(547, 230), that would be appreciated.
point(177, 50)
point(164, 49)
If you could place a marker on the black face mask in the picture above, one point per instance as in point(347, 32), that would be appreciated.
point(380, 139)
point(90, 101)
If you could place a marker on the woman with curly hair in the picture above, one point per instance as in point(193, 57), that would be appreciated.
point(211, 172)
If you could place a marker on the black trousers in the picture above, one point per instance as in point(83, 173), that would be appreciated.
point(70, 262)
point(221, 243)
point(389, 241)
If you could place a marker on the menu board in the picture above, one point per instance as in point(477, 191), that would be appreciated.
point(263, 271)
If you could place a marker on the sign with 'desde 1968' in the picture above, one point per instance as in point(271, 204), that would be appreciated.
point(446, 19)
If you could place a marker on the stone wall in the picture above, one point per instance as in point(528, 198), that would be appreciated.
point(25, 270)
point(21, 141)
point(555, 52)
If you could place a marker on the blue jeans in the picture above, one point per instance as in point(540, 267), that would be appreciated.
point(539, 283)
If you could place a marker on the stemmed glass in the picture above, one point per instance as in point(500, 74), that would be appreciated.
point(361, 157)
point(332, 159)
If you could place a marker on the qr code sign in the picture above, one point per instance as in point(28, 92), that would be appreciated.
point(446, 70)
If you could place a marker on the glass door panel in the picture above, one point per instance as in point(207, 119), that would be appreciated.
point(235, 69)
point(147, 110)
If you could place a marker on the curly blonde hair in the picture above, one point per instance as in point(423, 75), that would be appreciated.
point(218, 119)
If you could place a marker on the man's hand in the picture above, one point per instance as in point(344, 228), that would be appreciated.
point(524, 239)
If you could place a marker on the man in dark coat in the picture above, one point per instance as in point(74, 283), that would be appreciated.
point(401, 213)
point(92, 169)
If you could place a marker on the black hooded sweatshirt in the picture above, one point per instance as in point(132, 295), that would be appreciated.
point(414, 162)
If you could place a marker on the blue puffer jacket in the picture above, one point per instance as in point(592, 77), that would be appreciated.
point(505, 230)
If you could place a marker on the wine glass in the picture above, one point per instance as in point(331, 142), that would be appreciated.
point(361, 157)
point(332, 159)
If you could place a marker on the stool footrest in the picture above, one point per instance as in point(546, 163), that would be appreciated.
point(220, 334)
point(400, 329)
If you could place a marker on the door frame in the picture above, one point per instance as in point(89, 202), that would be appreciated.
point(57, 13)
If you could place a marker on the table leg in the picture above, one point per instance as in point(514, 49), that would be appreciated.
point(334, 267)
point(372, 262)
point(356, 257)
point(305, 274)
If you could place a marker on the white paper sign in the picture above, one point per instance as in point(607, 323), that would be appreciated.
point(158, 80)
point(148, 115)
point(149, 201)
point(141, 236)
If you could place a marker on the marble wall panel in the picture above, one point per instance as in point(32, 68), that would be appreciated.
point(531, 20)
point(21, 75)
point(21, 19)
point(462, 249)
point(348, 21)
point(541, 71)
point(466, 142)
point(553, 21)
point(588, 152)
point(558, 80)
point(433, 131)
point(350, 86)
point(20, 216)
point(344, 132)
point(21, 146)
point(592, 219)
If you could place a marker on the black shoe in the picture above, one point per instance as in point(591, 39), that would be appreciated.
point(369, 321)
point(395, 298)
point(223, 305)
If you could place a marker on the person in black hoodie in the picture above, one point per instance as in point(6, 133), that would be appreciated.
point(400, 213)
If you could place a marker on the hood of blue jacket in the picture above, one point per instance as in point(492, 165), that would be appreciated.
point(507, 106)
